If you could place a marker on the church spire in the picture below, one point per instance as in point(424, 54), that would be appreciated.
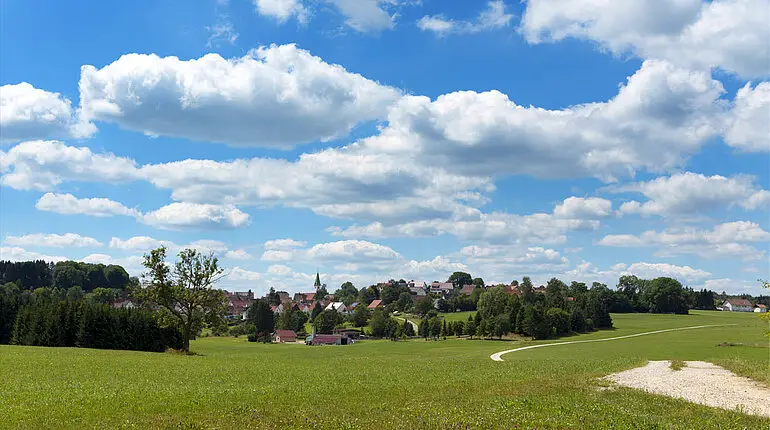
point(317, 284)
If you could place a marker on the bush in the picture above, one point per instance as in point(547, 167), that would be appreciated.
point(589, 324)
point(253, 337)
point(242, 329)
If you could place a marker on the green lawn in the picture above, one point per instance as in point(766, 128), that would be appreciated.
point(378, 384)
point(457, 316)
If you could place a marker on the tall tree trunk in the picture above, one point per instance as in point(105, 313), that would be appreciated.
point(187, 330)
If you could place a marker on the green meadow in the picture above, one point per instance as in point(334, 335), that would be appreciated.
point(415, 384)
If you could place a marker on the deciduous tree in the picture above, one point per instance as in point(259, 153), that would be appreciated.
point(186, 295)
point(458, 279)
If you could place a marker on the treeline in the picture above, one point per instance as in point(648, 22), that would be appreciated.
point(51, 317)
point(29, 275)
point(659, 295)
point(560, 310)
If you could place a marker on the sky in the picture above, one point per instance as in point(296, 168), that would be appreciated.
point(378, 139)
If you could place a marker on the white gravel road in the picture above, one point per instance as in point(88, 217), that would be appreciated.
point(699, 382)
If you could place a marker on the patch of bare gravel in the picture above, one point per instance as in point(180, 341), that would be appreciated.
point(698, 382)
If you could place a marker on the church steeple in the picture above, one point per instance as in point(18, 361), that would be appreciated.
point(317, 284)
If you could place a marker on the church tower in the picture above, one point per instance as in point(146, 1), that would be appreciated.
point(317, 284)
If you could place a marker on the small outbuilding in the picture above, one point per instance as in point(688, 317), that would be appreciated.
point(375, 304)
point(327, 339)
point(760, 308)
point(284, 336)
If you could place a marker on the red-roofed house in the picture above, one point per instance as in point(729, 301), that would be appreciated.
point(123, 303)
point(737, 305)
point(513, 290)
point(327, 339)
point(304, 297)
point(760, 308)
point(237, 302)
point(284, 336)
point(468, 289)
point(441, 287)
point(375, 304)
point(307, 307)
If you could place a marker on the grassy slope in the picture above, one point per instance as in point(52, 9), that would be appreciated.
point(376, 384)
point(457, 316)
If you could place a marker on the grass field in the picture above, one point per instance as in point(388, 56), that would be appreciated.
point(458, 316)
point(379, 384)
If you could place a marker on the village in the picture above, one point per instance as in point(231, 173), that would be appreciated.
point(437, 292)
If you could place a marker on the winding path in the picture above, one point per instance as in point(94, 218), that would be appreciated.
point(498, 355)
point(412, 323)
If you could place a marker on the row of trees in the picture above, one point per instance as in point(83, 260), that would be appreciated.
point(64, 275)
point(52, 317)
point(557, 312)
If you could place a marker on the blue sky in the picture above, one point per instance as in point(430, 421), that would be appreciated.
point(370, 139)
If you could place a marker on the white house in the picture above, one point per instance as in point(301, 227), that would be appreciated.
point(123, 304)
point(737, 305)
point(337, 306)
point(417, 287)
point(441, 287)
point(760, 308)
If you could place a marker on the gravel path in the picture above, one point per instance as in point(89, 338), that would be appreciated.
point(412, 323)
point(498, 355)
point(698, 382)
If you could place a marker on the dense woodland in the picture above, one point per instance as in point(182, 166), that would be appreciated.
point(64, 275)
point(55, 317)
point(68, 304)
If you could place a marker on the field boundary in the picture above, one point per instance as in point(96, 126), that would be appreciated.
point(498, 355)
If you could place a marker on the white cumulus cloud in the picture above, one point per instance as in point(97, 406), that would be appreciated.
point(29, 113)
point(66, 240)
point(691, 193)
point(16, 253)
point(282, 10)
point(67, 204)
point(42, 165)
point(494, 16)
point(182, 216)
point(728, 34)
point(749, 120)
point(245, 101)
point(724, 240)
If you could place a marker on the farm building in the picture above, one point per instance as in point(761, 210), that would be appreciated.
point(737, 305)
point(760, 308)
point(284, 336)
point(327, 339)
